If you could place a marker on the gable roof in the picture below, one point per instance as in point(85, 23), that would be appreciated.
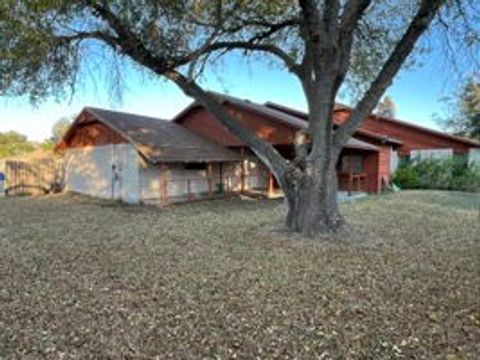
point(463, 140)
point(303, 115)
point(272, 114)
point(160, 140)
point(343, 107)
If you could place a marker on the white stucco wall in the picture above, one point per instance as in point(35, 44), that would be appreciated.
point(394, 161)
point(178, 180)
point(256, 175)
point(109, 172)
point(150, 182)
point(127, 161)
point(118, 172)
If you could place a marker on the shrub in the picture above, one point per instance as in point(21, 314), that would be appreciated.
point(406, 177)
point(448, 174)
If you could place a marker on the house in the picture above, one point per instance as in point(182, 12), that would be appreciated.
point(361, 164)
point(398, 140)
point(413, 139)
point(135, 158)
point(140, 159)
point(369, 157)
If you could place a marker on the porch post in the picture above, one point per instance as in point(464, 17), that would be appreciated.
point(209, 179)
point(242, 173)
point(350, 175)
point(164, 184)
point(270, 185)
point(189, 190)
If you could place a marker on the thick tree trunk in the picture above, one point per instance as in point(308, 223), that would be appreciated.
point(312, 202)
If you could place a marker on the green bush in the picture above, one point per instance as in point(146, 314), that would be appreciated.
point(406, 177)
point(448, 174)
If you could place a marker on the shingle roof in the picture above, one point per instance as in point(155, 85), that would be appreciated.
point(264, 110)
point(303, 115)
point(161, 140)
point(343, 107)
point(275, 115)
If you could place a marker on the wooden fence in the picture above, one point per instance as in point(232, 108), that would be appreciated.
point(33, 177)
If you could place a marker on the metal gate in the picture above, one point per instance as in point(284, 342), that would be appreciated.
point(33, 178)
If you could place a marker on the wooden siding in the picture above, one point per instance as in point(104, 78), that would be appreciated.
point(202, 122)
point(91, 133)
point(371, 166)
point(281, 135)
point(412, 137)
point(384, 156)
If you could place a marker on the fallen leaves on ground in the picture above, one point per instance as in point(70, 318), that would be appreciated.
point(82, 278)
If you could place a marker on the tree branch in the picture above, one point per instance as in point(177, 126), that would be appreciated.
point(134, 48)
point(265, 151)
point(419, 24)
point(86, 35)
point(311, 34)
point(253, 46)
point(353, 12)
point(130, 43)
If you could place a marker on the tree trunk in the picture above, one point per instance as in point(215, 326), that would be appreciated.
point(312, 202)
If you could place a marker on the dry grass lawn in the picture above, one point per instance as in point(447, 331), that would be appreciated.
point(91, 279)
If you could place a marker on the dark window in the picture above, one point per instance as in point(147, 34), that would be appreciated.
point(353, 163)
point(196, 166)
point(403, 159)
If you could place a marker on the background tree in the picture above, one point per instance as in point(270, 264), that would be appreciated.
point(325, 44)
point(463, 114)
point(13, 143)
point(59, 128)
point(386, 108)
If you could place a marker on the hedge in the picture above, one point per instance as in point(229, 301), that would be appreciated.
point(448, 174)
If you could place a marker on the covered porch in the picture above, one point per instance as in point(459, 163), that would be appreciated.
point(357, 170)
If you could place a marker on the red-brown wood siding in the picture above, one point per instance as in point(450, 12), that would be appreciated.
point(202, 122)
point(370, 165)
point(90, 133)
point(383, 166)
point(412, 138)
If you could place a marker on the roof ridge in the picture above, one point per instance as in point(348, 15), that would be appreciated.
point(94, 108)
point(340, 106)
point(420, 127)
point(159, 140)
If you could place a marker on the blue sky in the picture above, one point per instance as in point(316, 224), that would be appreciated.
point(416, 93)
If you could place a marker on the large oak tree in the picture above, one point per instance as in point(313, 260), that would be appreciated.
point(326, 44)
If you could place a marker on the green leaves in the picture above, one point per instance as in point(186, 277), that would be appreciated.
point(463, 110)
point(13, 143)
point(450, 174)
point(33, 61)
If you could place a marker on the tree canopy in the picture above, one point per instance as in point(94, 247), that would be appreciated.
point(386, 108)
point(463, 114)
point(13, 143)
point(59, 128)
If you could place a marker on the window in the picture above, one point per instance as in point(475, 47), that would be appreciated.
point(196, 166)
point(353, 163)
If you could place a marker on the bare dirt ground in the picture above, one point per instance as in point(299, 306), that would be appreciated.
point(90, 279)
